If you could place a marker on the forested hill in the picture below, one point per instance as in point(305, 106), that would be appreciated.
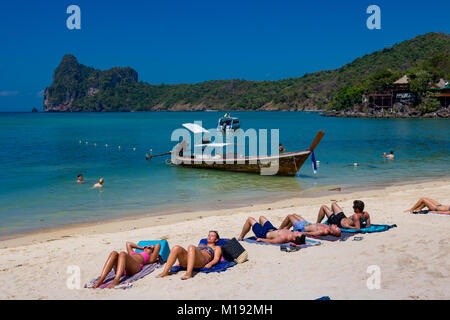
point(77, 87)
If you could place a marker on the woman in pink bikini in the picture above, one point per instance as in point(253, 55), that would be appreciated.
point(203, 256)
point(128, 263)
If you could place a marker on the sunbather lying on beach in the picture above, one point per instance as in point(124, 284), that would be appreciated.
point(266, 232)
point(312, 229)
point(128, 263)
point(431, 204)
point(360, 219)
point(194, 257)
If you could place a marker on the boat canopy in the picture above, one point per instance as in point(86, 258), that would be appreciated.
point(214, 144)
point(195, 128)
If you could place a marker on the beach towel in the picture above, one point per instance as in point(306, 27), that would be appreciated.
point(438, 214)
point(219, 243)
point(344, 236)
point(223, 264)
point(430, 213)
point(373, 228)
point(165, 249)
point(125, 282)
point(308, 243)
point(347, 233)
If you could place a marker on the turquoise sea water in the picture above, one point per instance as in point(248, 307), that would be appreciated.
point(41, 155)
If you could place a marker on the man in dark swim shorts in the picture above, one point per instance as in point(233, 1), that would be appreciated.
point(360, 218)
point(336, 219)
point(266, 232)
point(261, 231)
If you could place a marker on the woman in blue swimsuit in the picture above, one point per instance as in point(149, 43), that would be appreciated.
point(194, 257)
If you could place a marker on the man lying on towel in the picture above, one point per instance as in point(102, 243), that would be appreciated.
point(266, 232)
point(360, 218)
point(310, 229)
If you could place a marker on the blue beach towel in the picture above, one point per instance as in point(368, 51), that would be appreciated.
point(164, 252)
point(373, 228)
point(220, 267)
point(219, 243)
point(347, 233)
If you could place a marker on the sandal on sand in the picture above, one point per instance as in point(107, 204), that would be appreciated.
point(125, 285)
point(289, 248)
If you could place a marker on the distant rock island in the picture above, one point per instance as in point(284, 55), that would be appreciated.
point(341, 92)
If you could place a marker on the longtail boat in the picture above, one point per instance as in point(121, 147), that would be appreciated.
point(284, 164)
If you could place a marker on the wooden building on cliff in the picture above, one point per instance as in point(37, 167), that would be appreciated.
point(441, 91)
point(396, 92)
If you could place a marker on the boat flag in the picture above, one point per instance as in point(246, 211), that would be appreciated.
point(313, 159)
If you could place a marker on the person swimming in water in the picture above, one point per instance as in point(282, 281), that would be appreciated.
point(99, 184)
point(203, 256)
point(128, 263)
point(390, 155)
point(433, 205)
point(80, 178)
point(360, 218)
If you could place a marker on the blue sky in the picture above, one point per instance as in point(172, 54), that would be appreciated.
point(193, 41)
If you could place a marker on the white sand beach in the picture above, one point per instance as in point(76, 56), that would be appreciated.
point(414, 258)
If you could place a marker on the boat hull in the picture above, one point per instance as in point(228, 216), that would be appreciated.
point(286, 164)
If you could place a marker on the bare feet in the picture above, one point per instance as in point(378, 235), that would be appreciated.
point(161, 275)
point(409, 210)
point(186, 276)
point(97, 284)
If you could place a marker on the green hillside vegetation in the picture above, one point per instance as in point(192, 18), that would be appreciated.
point(424, 58)
point(420, 76)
